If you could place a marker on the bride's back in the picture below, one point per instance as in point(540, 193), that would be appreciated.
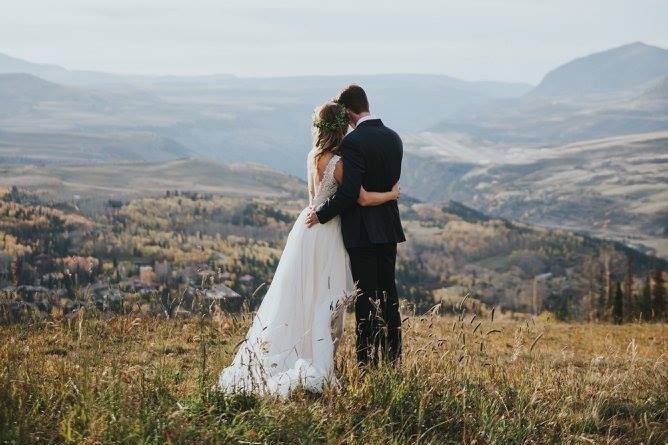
point(321, 177)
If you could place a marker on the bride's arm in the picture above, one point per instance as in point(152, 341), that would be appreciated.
point(366, 199)
point(309, 176)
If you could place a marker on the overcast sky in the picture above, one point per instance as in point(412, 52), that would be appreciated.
point(512, 40)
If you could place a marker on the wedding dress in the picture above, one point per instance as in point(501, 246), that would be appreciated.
point(290, 342)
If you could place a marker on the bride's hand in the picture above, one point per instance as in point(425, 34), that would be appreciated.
point(363, 198)
point(396, 191)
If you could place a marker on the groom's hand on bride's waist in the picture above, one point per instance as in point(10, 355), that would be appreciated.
point(312, 218)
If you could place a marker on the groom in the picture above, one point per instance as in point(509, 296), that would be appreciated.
point(371, 156)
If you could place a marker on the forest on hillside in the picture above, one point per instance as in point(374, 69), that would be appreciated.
point(162, 254)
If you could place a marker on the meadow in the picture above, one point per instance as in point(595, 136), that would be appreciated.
point(488, 379)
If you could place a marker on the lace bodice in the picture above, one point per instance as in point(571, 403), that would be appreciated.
point(327, 186)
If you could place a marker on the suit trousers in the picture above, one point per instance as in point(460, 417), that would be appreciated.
point(377, 303)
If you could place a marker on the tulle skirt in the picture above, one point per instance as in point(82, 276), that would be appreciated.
point(290, 343)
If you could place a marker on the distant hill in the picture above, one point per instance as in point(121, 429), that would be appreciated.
point(231, 119)
point(55, 73)
point(59, 74)
point(552, 123)
point(657, 92)
point(611, 93)
point(586, 149)
point(22, 93)
point(73, 146)
point(10, 64)
point(610, 71)
point(22, 84)
point(45, 122)
point(613, 187)
point(115, 180)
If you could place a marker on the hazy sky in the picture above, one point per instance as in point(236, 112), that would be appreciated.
point(516, 40)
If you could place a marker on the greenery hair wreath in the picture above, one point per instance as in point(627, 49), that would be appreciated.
point(339, 123)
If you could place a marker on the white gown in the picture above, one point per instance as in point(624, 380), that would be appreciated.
point(290, 342)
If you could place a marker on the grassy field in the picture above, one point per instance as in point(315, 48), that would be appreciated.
point(148, 380)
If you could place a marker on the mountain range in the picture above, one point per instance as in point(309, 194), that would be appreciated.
point(572, 152)
point(612, 71)
point(585, 148)
point(615, 92)
point(223, 117)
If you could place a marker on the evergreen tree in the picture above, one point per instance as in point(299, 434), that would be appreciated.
point(646, 300)
point(659, 302)
point(630, 306)
point(618, 305)
point(602, 303)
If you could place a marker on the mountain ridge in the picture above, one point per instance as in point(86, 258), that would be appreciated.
point(266, 120)
point(11, 64)
point(609, 71)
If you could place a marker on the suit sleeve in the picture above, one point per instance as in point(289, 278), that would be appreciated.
point(347, 193)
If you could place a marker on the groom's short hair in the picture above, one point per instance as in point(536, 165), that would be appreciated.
point(354, 99)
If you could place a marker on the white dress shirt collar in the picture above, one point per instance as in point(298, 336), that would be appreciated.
point(368, 117)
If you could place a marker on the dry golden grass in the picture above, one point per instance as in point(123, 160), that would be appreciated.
point(148, 380)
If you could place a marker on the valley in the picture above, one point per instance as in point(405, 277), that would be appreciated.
point(615, 187)
point(138, 253)
point(503, 182)
point(585, 150)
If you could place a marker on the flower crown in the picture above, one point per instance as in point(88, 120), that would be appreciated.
point(339, 123)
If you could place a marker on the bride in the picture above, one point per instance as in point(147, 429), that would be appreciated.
point(290, 343)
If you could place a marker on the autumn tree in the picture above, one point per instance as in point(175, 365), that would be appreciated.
point(646, 300)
